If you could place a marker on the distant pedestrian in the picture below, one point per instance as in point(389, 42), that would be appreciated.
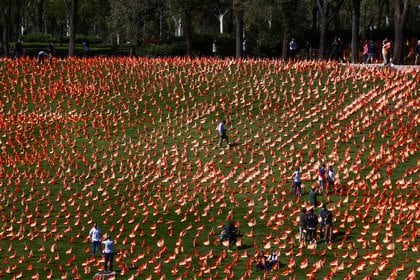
point(365, 52)
point(293, 48)
point(386, 50)
point(42, 55)
point(108, 252)
point(297, 184)
point(417, 51)
point(18, 50)
point(244, 49)
point(371, 52)
point(311, 225)
point(302, 224)
point(222, 133)
point(95, 238)
point(86, 47)
point(214, 49)
point(51, 50)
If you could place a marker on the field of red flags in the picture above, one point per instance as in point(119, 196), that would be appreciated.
point(131, 143)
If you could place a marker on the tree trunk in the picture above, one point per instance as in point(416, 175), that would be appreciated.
point(239, 27)
point(17, 20)
point(40, 16)
point(322, 10)
point(322, 37)
point(5, 15)
point(401, 9)
point(72, 23)
point(188, 35)
point(355, 31)
point(285, 44)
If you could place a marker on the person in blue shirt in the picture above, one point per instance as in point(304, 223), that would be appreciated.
point(108, 252)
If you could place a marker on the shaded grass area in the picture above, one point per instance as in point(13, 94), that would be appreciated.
point(131, 144)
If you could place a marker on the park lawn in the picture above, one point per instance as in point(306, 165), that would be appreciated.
point(131, 143)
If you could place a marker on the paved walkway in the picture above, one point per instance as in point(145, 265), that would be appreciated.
point(394, 66)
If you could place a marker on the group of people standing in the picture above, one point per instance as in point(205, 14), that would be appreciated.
point(308, 224)
point(107, 251)
point(326, 179)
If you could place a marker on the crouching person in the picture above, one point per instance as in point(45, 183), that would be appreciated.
point(271, 261)
point(261, 258)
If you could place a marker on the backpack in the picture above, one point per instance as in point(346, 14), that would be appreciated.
point(311, 220)
point(328, 218)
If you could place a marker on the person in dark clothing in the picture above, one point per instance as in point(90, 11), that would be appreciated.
point(311, 224)
point(233, 234)
point(313, 197)
point(417, 51)
point(302, 224)
point(371, 52)
point(18, 50)
point(51, 49)
point(328, 237)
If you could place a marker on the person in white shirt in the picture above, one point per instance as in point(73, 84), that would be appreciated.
point(293, 48)
point(214, 49)
point(108, 252)
point(271, 261)
point(222, 133)
point(330, 178)
point(297, 182)
point(95, 238)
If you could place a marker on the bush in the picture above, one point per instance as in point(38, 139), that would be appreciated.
point(168, 49)
point(38, 37)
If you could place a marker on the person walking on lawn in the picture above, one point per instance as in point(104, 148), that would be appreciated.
point(297, 183)
point(222, 133)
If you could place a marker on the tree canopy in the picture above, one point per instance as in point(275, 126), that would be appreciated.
point(266, 26)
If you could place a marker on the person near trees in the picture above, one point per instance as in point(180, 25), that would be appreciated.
point(417, 51)
point(371, 52)
point(214, 49)
point(365, 52)
point(51, 49)
point(42, 55)
point(386, 51)
point(293, 48)
point(18, 50)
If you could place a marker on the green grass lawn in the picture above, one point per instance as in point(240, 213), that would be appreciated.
point(131, 143)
